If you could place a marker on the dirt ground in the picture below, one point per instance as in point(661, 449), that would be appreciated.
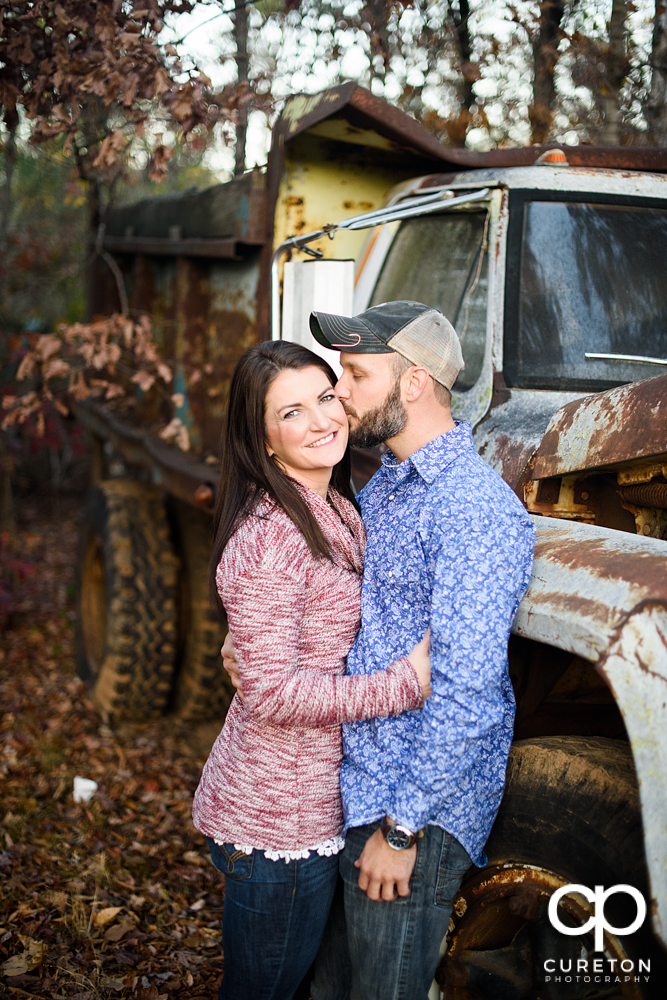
point(116, 897)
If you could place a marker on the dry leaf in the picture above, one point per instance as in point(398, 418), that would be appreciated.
point(105, 916)
point(143, 380)
point(176, 431)
point(111, 983)
point(48, 345)
point(26, 367)
point(194, 859)
point(119, 930)
point(55, 368)
point(29, 959)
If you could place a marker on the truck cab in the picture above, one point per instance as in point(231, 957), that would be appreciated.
point(555, 285)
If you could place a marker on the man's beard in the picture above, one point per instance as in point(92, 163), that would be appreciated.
point(380, 424)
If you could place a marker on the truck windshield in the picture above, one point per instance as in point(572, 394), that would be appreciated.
point(441, 260)
point(592, 278)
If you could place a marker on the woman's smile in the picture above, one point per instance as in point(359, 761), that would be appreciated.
point(325, 440)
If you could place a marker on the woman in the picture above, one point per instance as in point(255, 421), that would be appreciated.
point(287, 567)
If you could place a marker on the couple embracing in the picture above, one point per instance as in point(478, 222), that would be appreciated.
point(362, 762)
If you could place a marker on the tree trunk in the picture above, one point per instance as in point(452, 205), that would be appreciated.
point(545, 56)
point(7, 521)
point(94, 217)
point(617, 69)
point(459, 17)
point(10, 163)
point(656, 106)
point(241, 40)
point(11, 120)
point(377, 13)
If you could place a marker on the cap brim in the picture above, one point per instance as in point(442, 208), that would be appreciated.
point(345, 333)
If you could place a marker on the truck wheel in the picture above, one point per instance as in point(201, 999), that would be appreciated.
point(126, 600)
point(203, 690)
point(570, 814)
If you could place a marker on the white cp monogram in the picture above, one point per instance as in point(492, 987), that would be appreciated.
point(598, 897)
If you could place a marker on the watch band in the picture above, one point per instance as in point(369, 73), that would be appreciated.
point(399, 838)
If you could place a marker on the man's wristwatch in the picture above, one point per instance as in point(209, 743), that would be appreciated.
point(398, 837)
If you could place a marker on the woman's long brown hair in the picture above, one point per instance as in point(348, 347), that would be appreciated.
point(247, 472)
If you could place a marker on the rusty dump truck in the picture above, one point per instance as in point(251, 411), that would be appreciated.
point(552, 265)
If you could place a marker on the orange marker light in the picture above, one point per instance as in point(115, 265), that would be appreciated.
point(552, 158)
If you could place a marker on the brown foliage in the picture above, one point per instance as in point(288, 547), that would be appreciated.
point(115, 897)
point(94, 72)
point(104, 360)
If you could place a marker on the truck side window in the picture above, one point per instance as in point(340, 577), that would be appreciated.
point(442, 260)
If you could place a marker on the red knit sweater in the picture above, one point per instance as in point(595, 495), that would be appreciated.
point(272, 778)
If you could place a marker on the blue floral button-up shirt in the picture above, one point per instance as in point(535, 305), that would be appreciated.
point(449, 546)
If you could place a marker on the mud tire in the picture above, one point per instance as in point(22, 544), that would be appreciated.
point(126, 581)
point(571, 807)
point(203, 690)
point(572, 804)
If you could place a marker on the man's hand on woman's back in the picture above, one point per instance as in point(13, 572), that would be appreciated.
point(231, 666)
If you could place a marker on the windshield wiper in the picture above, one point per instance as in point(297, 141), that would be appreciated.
point(626, 357)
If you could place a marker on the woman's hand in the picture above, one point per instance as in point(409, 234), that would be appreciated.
point(420, 659)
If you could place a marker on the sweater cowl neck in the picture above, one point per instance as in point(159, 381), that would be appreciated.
point(342, 526)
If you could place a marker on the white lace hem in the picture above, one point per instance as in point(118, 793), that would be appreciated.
point(328, 847)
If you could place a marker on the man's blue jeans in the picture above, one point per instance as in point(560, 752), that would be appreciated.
point(375, 950)
point(273, 920)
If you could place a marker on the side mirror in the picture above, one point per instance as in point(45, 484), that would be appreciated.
point(322, 285)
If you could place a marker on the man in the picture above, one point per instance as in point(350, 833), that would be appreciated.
point(449, 548)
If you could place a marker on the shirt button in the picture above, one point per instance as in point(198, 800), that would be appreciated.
point(391, 496)
point(391, 572)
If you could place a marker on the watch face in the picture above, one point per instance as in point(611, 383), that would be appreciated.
point(398, 839)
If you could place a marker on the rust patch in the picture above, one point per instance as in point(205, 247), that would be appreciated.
point(642, 569)
point(619, 425)
point(513, 457)
point(501, 394)
point(583, 607)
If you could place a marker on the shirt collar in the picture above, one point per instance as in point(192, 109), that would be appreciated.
point(433, 458)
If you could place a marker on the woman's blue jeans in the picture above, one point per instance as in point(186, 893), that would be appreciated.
point(273, 920)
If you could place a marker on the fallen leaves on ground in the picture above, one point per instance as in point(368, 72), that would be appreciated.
point(115, 897)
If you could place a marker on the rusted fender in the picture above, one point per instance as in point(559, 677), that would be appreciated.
point(619, 425)
point(602, 594)
point(510, 433)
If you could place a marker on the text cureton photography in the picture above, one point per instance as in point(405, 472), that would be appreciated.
point(604, 969)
